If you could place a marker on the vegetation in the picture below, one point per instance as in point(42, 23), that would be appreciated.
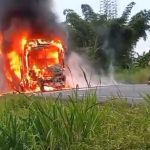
point(40, 124)
point(139, 71)
point(143, 60)
point(107, 40)
point(133, 75)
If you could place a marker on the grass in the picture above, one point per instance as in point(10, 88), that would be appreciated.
point(134, 76)
point(34, 123)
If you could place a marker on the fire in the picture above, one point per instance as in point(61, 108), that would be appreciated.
point(14, 60)
point(35, 64)
point(1, 44)
point(23, 43)
point(55, 56)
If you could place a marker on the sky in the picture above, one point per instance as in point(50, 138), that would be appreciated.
point(60, 5)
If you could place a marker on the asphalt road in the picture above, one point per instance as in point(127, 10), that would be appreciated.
point(133, 93)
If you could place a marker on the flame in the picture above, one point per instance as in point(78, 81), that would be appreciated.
point(14, 60)
point(27, 63)
point(23, 43)
point(54, 55)
point(1, 44)
point(46, 88)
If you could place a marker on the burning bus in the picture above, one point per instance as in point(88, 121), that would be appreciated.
point(36, 65)
point(42, 66)
point(38, 62)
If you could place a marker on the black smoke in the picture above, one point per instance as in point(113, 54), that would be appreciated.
point(37, 16)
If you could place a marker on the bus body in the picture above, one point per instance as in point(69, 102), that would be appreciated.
point(42, 66)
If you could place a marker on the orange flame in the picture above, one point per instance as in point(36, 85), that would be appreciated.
point(16, 67)
point(23, 43)
point(15, 63)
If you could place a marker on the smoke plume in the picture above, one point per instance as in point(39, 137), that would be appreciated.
point(80, 69)
point(30, 18)
point(36, 16)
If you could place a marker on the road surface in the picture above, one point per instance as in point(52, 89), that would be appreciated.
point(133, 93)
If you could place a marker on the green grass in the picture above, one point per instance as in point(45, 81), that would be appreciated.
point(52, 124)
point(134, 76)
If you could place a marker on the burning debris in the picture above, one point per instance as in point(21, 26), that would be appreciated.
point(32, 46)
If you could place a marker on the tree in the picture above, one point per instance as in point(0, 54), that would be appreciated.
point(80, 30)
point(108, 41)
point(143, 60)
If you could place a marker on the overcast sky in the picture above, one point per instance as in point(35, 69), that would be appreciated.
point(60, 5)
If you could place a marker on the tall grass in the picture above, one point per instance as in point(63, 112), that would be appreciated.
point(134, 76)
point(51, 124)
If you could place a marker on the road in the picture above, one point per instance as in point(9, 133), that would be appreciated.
point(133, 93)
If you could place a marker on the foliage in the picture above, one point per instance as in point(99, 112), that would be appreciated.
point(38, 123)
point(109, 41)
point(134, 75)
point(143, 60)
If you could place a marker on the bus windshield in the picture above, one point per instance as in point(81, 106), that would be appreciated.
point(43, 57)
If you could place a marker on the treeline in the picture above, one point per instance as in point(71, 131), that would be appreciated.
point(107, 41)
